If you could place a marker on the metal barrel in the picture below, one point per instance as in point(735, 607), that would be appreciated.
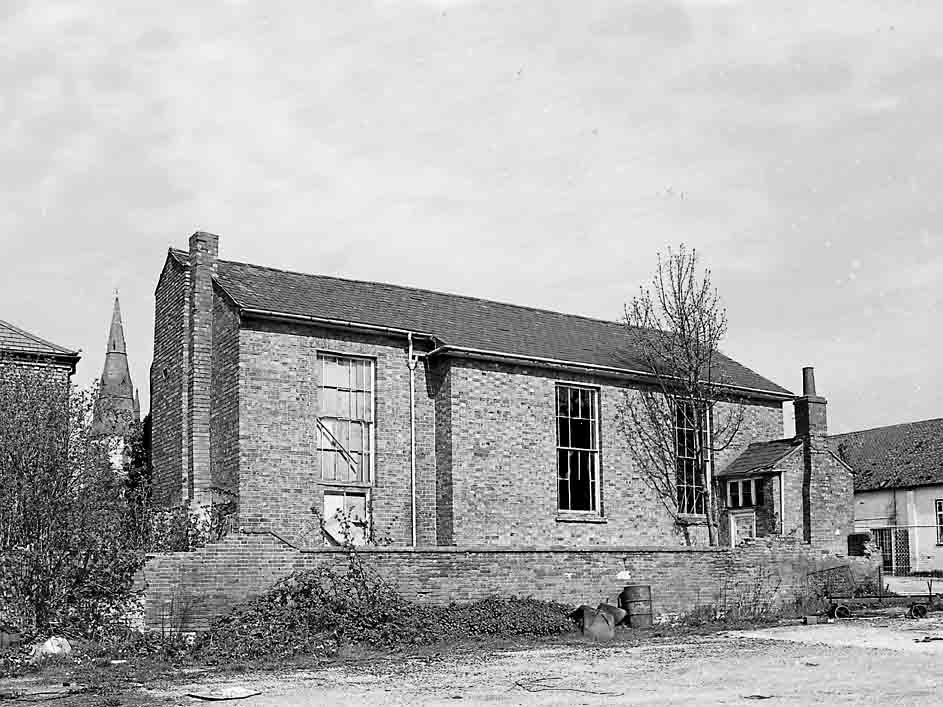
point(636, 599)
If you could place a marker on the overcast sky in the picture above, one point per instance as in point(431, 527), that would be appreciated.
point(531, 152)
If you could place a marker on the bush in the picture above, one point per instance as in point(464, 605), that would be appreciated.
point(316, 611)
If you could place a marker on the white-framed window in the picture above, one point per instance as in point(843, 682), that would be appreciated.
point(691, 456)
point(745, 493)
point(577, 448)
point(939, 521)
point(345, 423)
point(345, 517)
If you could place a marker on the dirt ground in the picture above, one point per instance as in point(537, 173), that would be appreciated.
point(883, 660)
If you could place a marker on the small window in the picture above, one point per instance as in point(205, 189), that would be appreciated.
point(345, 518)
point(744, 493)
point(939, 521)
point(577, 449)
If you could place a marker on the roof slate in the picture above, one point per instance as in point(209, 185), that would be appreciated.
point(760, 456)
point(454, 320)
point(17, 340)
point(898, 456)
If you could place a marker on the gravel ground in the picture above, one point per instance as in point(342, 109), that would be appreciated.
point(873, 661)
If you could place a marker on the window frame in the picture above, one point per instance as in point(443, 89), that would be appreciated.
point(676, 402)
point(754, 481)
point(344, 494)
point(369, 473)
point(938, 508)
point(595, 510)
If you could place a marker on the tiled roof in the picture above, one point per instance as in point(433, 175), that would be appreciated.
point(760, 456)
point(14, 339)
point(454, 320)
point(898, 456)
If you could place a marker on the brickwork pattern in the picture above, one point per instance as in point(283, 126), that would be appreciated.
point(279, 476)
point(209, 581)
point(203, 252)
point(168, 391)
point(440, 381)
point(830, 498)
point(224, 412)
point(503, 461)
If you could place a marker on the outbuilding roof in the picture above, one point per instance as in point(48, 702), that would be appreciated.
point(19, 341)
point(897, 456)
point(457, 321)
point(760, 457)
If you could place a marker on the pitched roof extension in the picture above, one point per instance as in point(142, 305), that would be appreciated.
point(16, 341)
point(760, 457)
point(898, 456)
point(459, 321)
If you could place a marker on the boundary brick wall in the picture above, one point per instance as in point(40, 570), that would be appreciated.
point(192, 588)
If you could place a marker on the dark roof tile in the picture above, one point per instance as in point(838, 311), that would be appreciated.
point(17, 340)
point(455, 320)
point(898, 456)
point(759, 457)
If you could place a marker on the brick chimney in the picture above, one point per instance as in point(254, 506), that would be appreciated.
point(810, 408)
point(204, 249)
point(827, 490)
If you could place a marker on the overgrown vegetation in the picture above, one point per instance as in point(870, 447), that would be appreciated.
point(316, 611)
point(68, 544)
point(77, 518)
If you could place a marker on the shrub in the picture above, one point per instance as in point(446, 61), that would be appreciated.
point(316, 611)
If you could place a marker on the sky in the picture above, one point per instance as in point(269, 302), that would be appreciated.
point(540, 153)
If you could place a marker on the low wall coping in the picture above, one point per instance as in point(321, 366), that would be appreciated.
point(507, 550)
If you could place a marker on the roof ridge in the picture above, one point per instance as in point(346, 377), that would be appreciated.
point(411, 288)
point(38, 339)
point(886, 427)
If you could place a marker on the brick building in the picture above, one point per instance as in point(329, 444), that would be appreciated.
point(441, 420)
point(25, 354)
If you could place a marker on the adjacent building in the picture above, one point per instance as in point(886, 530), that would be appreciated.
point(25, 354)
point(898, 496)
point(432, 419)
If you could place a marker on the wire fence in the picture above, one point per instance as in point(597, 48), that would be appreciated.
point(909, 549)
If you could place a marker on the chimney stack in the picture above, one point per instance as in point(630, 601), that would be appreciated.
point(204, 250)
point(810, 408)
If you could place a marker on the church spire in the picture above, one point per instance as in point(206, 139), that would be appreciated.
point(114, 407)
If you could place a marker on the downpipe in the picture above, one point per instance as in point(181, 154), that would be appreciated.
point(411, 363)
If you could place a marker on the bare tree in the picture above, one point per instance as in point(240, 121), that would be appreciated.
point(688, 411)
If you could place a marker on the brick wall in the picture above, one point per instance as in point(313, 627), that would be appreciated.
point(279, 469)
point(204, 248)
point(224, 412)
point(502, 461)
point(206, 582)
point(168, 389)
point(830, 498)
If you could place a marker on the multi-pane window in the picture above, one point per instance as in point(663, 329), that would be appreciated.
point(345, 423)
point(939, 521)
point(577, 448)
point(690, 456)
point(744, 493)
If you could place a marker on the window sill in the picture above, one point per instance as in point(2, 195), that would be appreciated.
point(692, 519)
point(588, 517)
point(345, 484)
